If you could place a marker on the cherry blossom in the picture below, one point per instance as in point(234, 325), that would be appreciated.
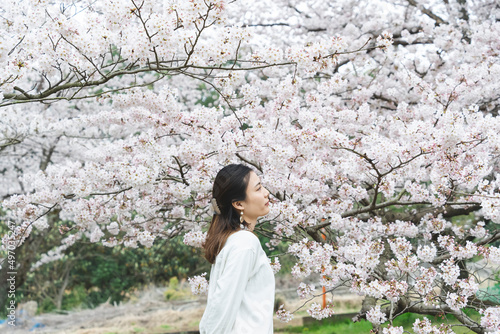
point(375, 316)
point(318, 312)
point(424, 326)
point(199, 284)
point(305, 290)
point(393, 330)
point(449, 271)
point(427, 253)
point(374, 125)
point(491, 318)
point(195, 238)
point(283, 315)
point(275, 265)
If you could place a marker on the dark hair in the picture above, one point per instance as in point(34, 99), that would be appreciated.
point(230, 185)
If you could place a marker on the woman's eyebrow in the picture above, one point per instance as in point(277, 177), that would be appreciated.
point(257, 184)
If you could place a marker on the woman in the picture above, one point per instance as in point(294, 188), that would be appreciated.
point(241, 286)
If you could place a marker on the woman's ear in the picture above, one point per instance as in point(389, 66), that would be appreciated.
point(237, 205)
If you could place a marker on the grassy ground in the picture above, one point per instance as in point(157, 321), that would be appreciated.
point(364, 327)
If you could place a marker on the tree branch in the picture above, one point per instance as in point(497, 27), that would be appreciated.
point(427, 12)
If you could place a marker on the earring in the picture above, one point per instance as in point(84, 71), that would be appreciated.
point(241, 217)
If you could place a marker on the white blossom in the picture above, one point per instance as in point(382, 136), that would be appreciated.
point(491, 318)
point(275, 265)
point(427, 253)
point(195, 238)
point(283, 315)
point(376, 316)
point(393, 330)
point(305, 290)
point(199, 284)
point(318, 312)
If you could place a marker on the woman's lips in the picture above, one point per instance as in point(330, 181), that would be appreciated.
point(267, 204)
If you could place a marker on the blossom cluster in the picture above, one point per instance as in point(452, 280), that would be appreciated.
point(424, 326)
point(305, 290)
point(491, 318)
point(376, 316)
point(284, 315)
point(275, 265)
point(313, 257)
point(316, 311)
point(385, 40)
point(427, 253)
point(199, 284)
point(424, 282)
point(391, 290)
point(449, 271)
point(393, 330)
point(195, 238)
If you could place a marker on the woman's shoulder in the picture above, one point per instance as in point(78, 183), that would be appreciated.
point(244, 239)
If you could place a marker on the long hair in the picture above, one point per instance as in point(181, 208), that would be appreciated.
point(230, 185)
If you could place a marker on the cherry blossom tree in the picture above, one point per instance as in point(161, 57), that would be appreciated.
point(373, 124)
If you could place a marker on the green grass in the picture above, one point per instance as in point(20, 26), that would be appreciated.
point(343, 326)
point(363, 326)
point(194, 323)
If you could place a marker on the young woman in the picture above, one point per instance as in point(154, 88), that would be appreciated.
point(241, 286)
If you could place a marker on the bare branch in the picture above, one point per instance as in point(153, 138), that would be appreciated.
point(427, 12)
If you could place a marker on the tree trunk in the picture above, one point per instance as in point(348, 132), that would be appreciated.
point(60, 294)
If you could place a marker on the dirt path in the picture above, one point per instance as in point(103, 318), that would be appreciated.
point(148, 314)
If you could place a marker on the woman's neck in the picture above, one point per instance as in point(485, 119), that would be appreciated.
point(251, 224)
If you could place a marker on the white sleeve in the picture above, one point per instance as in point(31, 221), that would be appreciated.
point(230, 287)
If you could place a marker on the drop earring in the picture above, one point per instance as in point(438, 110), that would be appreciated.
point(241, 217)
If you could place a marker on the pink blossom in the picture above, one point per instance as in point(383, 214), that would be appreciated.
point(275, 265)
point(305, 290)
point(316, 311)
point(393, 330)
point(283, 315)
point(491, 318)
point(199, 284)
point(376, 316)
point(195, 238)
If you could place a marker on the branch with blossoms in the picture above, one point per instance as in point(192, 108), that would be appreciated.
point(77, 81)
point(435, 291)
point(95, 73)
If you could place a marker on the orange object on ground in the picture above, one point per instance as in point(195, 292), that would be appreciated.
point(324, 289)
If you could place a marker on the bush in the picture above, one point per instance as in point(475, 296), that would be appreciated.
point(176, 292)
point(98, 273)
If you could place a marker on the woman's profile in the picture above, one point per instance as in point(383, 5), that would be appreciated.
point(241, 285)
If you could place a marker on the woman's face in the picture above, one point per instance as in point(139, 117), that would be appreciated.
point(257, 202)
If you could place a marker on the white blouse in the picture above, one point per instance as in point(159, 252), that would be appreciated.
point(241, 289)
